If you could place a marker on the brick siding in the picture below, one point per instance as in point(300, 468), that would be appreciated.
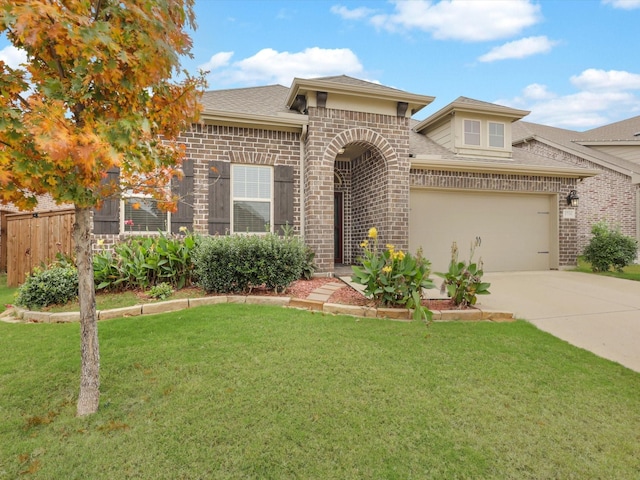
point(609, 196)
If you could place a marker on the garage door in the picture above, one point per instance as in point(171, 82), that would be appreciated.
point(515, 231)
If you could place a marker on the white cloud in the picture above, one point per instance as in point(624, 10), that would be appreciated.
point(13, 56)
point(536, 91)
point(522, 48)
point(473, 21)
point(270, 66)
point(218, 60)
point(593, 79)
point(623, 4)
point(353, 14)
point(603, 97)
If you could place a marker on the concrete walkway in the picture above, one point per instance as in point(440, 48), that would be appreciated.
point(599, 314)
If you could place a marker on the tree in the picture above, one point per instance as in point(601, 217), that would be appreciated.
point(95, 93)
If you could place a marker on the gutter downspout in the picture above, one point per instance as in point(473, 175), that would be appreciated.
point(303, 138)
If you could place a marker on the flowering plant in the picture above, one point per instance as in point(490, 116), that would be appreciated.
point(392, 277)
point(463, 282)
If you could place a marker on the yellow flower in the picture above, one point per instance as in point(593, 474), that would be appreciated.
point(365, 244)
point(100, 242)
point(387, 269)
point(183, 229)
point(390, 247)
point(373, 233)
point(399, 255)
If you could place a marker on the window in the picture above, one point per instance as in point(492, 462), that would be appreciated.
point(252, 198)
point(472, 132)
point(141, 214)
point(496, 135)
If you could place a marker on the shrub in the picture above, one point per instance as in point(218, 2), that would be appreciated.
point(392, 277)
point(141, 262)
point(162, 291)
point(56, 284)
point(463, 282)
point(609, 248)
point(238, 263)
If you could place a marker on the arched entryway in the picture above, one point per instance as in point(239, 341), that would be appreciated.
point(367, 189)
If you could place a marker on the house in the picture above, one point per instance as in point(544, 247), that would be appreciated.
point(334, 156)
point(614, 151)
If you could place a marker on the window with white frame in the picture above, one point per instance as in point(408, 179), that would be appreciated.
point(496, 134)
point(472, 132)
point(140, 214)
point(251, 193)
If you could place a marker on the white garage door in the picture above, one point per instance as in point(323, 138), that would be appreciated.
point(516, 231)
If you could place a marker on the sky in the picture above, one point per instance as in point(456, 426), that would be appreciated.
point(573, 63)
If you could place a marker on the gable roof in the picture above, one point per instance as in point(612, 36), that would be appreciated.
point(571, 142)
point(465, 104)
point(426, 153)
point(353, 86)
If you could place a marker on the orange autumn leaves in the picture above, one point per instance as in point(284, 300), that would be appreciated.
point(94, 95)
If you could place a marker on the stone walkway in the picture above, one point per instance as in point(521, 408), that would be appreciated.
point(323, 293)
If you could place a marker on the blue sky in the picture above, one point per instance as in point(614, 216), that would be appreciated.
point(573, 63)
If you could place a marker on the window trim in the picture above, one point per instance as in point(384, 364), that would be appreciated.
point(271, 199)
point(464, 132)
point(489, 135)
point(123, 231)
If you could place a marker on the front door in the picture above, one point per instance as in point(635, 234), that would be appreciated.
point(337, 228)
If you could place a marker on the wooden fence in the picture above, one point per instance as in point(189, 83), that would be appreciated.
point(35, 238)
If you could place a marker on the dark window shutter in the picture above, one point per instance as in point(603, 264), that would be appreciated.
point(283, 198)
point(183, 188)
point(219, 198)
point(107, 218)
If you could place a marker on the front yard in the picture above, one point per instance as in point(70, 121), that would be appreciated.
point(238, 391)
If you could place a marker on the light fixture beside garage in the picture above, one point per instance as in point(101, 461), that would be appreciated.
point(572, 198)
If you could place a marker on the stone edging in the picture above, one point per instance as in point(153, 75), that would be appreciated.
point(400, 314)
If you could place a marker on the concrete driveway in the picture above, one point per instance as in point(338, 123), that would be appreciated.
point(599, 314)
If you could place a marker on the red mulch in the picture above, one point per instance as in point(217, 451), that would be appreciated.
point(344, 296)
point(350, 296)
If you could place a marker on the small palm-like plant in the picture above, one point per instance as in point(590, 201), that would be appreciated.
point(463, 282)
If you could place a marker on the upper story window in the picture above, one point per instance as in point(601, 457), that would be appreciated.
point(252, 198)
point(140, 214)
point(496, 135)
point(472, 132)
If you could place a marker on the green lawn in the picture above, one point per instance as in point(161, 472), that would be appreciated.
point(630, 272)
point(6, 293)
point(239, 391)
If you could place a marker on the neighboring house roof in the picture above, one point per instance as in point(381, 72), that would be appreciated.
point(571, 142)
point(625, 130)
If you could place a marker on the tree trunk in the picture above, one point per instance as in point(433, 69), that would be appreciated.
point(90, 367)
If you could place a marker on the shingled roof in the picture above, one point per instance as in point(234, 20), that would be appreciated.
point(571, 142)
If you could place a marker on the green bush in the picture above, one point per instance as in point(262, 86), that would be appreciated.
point(141, 262)
point(162, 291)
point(53, 285)
point(609, 248)
point(463, 282)
point(238, 263)
point(393, 278)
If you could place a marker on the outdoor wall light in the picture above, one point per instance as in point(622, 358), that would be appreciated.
point(572, 198)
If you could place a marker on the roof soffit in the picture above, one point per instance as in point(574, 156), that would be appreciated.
point(302, 86)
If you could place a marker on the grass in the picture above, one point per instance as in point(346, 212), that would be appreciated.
point(107, 301)
point(239, 391)
point(6, 293)
point(630, 272)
